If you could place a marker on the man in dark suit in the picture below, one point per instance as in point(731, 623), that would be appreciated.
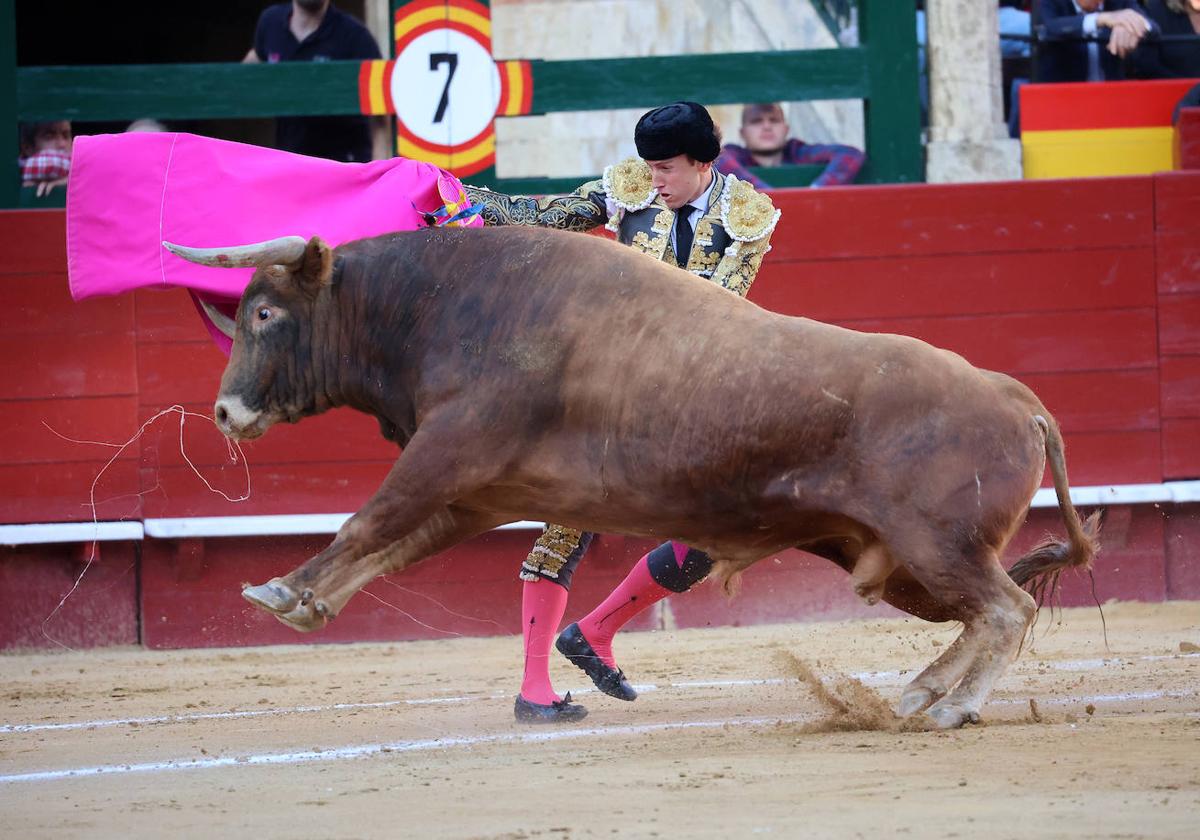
point(1067, 54)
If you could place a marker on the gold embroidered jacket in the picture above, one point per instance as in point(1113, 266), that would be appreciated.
point(732, 236)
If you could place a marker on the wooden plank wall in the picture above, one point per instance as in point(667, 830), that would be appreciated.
point(1089, 291)
point(1052, 282)
point(1177, 250)
point(67, 370)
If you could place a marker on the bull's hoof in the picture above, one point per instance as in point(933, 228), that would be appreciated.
point(951, 715)
point(916, 699)
point(301, 611)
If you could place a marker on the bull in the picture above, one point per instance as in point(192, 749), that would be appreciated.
point(520, 384)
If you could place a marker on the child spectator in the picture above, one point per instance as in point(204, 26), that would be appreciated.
point(45, 155)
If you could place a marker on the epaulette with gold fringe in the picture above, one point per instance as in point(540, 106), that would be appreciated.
point(747, 214)
point(629, 184)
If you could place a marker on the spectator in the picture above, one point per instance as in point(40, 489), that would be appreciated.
point(145, 124)
point(1156, 59)
point(316, 30)
point(1191, 99)
point(45, 155)
point(1013, 19)
point(765, 133)
point(1088, 40)
point(1014, 22)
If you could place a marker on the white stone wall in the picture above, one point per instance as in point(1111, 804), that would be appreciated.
point(968, 140)
point(583, 143)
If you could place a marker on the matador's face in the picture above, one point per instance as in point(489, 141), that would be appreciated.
point(679, 179)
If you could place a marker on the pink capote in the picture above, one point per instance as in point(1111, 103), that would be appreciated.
point(129, 192)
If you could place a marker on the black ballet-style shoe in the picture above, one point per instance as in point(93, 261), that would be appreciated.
point(560, 711)
point(575, 647)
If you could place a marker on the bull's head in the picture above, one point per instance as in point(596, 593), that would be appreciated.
point(270, 372)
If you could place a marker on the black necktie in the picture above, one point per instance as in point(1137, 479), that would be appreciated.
point(683, 234)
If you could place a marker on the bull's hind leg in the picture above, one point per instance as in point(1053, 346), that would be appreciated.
point(936, 681)
point(995, 614)
point(998, 626)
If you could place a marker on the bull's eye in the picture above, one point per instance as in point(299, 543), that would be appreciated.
point(264, 313)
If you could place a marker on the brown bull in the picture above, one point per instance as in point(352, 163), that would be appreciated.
point(534, 374)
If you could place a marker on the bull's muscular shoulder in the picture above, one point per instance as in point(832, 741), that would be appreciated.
point(746, 214)
point(628, 184)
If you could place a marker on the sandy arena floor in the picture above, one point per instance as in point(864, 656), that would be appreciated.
point(418, 739)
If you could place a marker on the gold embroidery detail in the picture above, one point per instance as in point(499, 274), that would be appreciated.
point(748, 215)
point(663, 221)
point(580, 211)
point(704, 232)
point(739, 266)
point(551, 552)
point(629, 184)
point(642, 241)
point(705, 263)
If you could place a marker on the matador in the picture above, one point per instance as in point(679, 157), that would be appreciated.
point(672, 205)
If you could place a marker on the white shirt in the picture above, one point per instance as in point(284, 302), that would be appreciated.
point(700, 202)
point(1095, 72)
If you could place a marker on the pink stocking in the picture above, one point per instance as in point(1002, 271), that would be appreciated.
point(542, 607)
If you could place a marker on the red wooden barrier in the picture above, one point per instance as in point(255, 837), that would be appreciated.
point(1089, 291)
point(1177, 252)
point(1187, 139)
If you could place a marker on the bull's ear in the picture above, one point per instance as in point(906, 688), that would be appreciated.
point(316, 266)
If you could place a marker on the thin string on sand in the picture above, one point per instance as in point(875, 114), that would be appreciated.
point(235, 455)
point(409, 615)
point(442, 606)
point(849, 705)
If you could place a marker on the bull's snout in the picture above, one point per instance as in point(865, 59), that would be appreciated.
point(235, 420)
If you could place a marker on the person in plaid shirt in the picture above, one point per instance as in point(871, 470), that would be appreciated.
point(765, 132)
point(45, 155)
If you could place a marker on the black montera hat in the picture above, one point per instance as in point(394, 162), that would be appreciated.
point(681, 128)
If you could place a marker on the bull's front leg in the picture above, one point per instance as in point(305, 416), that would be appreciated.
point(406, 521)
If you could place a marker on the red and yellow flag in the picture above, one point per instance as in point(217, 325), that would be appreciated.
point(1099, 128)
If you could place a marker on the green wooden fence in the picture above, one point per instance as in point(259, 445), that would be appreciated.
point(882, 71)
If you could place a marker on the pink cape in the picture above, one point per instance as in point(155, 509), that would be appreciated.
point(129, 192)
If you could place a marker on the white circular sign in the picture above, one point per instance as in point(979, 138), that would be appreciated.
point(445, 87)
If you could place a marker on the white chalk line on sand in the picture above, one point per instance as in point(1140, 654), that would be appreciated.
point(868, 678)
point(368, 750)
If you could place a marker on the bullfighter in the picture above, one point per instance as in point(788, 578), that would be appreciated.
point(671, 204)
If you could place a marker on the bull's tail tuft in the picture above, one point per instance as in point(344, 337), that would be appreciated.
point(1039, 570)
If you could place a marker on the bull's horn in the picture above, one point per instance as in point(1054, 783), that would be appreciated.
point(282, 251)
point(222, 321)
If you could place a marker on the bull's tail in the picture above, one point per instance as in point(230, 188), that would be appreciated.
point(1039, 570)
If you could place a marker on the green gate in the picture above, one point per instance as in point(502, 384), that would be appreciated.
point(882, 71)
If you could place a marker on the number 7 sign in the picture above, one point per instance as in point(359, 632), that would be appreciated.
point(444, 86)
